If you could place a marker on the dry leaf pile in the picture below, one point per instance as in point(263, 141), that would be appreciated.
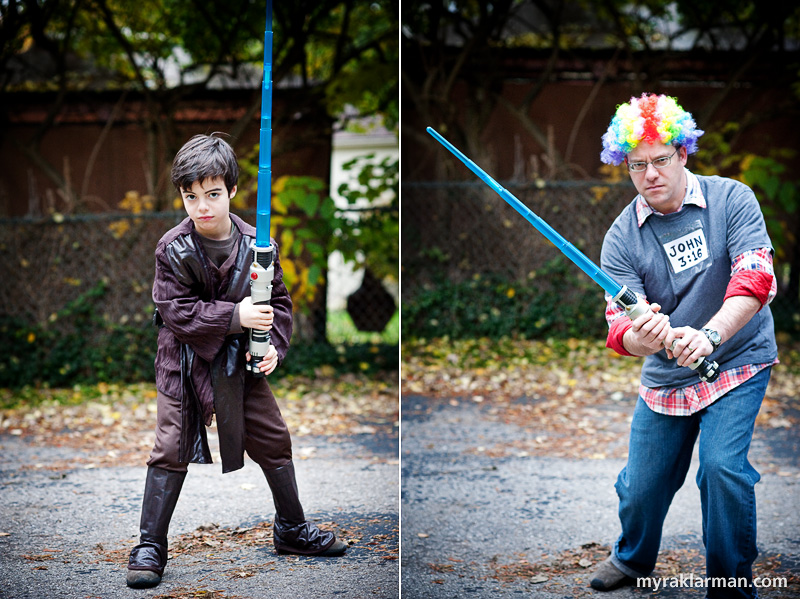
point(114, 424)
point(571, 561)
point(575, 397)
point(569, 571)
point(378, 537)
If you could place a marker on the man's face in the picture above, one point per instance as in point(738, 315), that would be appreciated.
point(663, 188)
point(208, 204)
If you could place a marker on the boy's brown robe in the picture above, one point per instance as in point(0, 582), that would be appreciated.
point(199, 359)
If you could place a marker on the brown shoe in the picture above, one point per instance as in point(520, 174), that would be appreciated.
point(608, 577)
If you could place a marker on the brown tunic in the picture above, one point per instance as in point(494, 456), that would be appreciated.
point(200, 358)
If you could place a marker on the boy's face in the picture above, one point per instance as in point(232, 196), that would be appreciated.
point(208, 204)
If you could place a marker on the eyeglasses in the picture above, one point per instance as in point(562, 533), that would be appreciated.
point(638, 167)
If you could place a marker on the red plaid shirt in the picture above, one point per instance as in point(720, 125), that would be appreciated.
point(688, 400)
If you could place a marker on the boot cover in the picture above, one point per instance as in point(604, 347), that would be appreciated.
point(161, 492)
point(291, 533)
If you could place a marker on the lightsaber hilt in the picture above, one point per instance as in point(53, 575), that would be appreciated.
point(635, 306)
point(262, 273)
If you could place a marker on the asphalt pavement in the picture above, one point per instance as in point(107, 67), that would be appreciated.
point(65, 534)
point(474, 525)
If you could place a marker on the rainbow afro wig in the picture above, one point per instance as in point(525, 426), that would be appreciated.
point(650, 118)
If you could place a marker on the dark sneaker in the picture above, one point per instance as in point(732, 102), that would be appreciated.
point(608, 577)
point(338, 548)
point(142, 579)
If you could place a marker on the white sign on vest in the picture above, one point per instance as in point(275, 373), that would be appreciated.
point(687, 251)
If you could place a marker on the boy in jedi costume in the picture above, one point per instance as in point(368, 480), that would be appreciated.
point(202, 296)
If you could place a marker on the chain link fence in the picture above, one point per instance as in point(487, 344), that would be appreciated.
point(47, 264)
point(472, 266)
point(455, 231)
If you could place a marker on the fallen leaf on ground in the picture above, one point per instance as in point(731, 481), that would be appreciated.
point(114, 424)
point(574, 397)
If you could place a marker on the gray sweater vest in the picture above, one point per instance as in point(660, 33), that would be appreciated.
point(683, 262)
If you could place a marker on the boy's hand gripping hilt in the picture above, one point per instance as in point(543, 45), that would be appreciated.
point(261, 277)
point(634, 306)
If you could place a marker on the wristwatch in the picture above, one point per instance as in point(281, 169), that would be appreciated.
point(713, 337)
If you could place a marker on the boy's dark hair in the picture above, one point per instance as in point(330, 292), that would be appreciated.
point(205, 157)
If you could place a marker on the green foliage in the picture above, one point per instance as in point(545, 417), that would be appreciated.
point(78, 347)
point(370, 238)
point(715, 154)
point(779, 197)
point(367, 358)
point(305, 217)
point(83, 347)
point(368, 81)
point(555, 302)
point(307, 225)
point(303, 221)
point(768, 176)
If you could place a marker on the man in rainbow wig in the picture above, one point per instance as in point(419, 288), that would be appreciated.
point(696, 248)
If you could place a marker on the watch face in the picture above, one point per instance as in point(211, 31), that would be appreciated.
point(713, 336)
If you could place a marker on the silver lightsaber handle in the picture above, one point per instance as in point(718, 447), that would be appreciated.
point(261, 277)
point(634, 306)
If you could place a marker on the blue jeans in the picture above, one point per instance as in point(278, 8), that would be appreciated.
point(659, 457)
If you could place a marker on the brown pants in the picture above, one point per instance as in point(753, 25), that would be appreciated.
point(267, 439)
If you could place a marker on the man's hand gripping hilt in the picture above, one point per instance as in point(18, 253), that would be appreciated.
point(634, 306)
point(262, 272)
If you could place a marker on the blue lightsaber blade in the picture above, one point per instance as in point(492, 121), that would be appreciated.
point(264, 191)
point(262, 269)
point(634, 306)
point(590, 268)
